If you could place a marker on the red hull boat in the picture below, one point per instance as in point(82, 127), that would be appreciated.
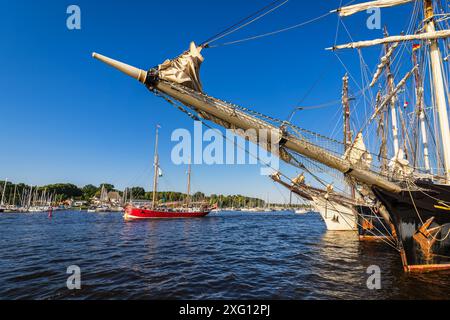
point(186, 211)
point(141, 214)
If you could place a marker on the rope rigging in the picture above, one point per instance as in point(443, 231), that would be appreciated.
point(245, 22)
point(302, 24)
point(192, 116)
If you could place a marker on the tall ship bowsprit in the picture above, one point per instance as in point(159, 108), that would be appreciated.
point(414, 200)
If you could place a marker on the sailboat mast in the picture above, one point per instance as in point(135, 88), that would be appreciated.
point(156, 172)
point(188, 199)
point(421, 112)
point(14, 197)
point(3, 192)
point(438, 87)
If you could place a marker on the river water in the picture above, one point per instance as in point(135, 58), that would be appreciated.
point(229, 255)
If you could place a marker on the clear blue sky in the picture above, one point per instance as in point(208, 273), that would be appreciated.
point(67, 118)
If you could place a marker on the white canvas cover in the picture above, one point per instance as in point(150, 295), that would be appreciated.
point(399, 165)
point(185, 69)
point(441, 34)
point(357, 154)
point(349, 10)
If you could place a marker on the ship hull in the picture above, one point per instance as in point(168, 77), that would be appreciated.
point(337, 217)
point(371, 226)
point(422, 225)
point(144, 214)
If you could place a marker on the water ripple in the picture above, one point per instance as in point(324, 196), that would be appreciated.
point(224, 256)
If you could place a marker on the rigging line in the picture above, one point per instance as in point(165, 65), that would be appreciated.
point(257, 114)
point(204, 43)
point(273, 32)
point(332, 204)
point(245, 24)
point(196, 118)
point(386, 241)
point(227, 138)
point(413, 202)
point(281, 193)
point(314, 85)
point(338, 24)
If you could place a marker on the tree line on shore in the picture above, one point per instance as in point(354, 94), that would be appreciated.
point(11, 192)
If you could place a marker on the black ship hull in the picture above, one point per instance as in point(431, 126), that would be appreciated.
point(422, 223)
point(371, 226)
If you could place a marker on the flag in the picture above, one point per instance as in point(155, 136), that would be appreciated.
point(416, 46)
point(160, 173)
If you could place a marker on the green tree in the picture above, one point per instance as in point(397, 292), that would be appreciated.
point(138, 193)
point(89, 191)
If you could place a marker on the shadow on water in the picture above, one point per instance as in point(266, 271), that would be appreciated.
point(224, 256)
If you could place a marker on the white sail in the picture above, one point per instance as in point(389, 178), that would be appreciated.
point(422, 36)
point(350, 10)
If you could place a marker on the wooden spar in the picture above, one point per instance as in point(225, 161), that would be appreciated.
point(355, 8)
point(383, 63)
point(222, 112)
point(441, 34)
point(392, 101)
point(305, 148)
point(394, 92)
point(421, 114)
point(438, 87)
point(346, 111)
point(347, 129)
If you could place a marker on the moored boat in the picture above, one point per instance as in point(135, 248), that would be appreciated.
point(132, 213)
point(160, 212)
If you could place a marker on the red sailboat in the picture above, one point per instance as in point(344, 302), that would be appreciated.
point(166, 212)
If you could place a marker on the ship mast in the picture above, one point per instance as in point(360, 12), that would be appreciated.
point(346, 107)
point(421, 113)
point(347, 129)
point(438, 87)
point(391, 85)
point(156, 172)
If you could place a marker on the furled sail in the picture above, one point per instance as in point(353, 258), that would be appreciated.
point(441, 34)
point(358, 155)
point(349, 10)
point(185, 69)
point(382, 65)
point(394, 92)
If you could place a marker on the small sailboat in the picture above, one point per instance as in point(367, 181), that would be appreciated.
point(166, 212)
point(301, 211)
